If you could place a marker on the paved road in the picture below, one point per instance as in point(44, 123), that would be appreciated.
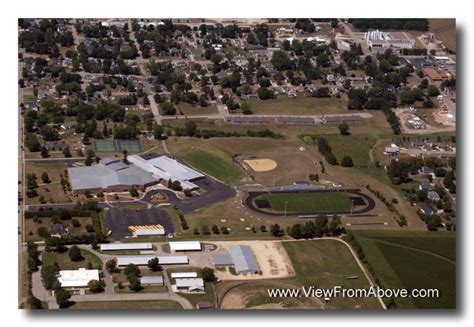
point(370, 203)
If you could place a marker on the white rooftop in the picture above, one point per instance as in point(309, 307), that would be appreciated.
point(185, 246)
point(77, 278)
point(190, 274)
point(190, 283)
point(125, 246)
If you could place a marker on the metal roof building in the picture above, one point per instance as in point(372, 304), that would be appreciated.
point(109, 173)
point(342, 118)
point(244, 259)
point(165, 168)
point(142, 260)
point(190, 274)
point(77, 278)
point(149, 232)
point(151, 280)
point(295, 120)
point(222, 259)
point(125, 246)
point(185, 246)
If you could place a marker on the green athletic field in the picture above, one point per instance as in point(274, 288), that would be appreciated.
point(308, 202)
point(220, 168)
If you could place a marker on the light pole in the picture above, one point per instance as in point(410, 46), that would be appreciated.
point(352, 205)
point(286, 205)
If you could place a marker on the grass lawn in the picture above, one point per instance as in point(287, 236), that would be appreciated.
point(32, 228)
point(413, 260)
point(65, 263)
point(213, 165)
point(445, 30)
point(309, 202)
point(299, 105)
point(128, 305)
point(51, 192)
point(325, 264)
point(189, 110)
point(355, 146)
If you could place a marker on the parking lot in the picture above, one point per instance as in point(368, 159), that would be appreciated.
point(118, 220)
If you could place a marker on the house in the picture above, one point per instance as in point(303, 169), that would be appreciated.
point(68, 125)
point(142, 260)
point(425, 186)
point(391, 151)
point(58, 230)
point(190, 285)
point(425, 171)
point(31, 105)
point(418, 144)
point(428, 211)
point(433, 196)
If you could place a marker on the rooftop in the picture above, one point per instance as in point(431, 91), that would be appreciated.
point(77, 278)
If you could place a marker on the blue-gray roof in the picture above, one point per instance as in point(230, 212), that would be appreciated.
point(101, 176)
point(244, 259)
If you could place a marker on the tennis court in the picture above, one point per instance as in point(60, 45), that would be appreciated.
point(132, 146)
point(104, 146)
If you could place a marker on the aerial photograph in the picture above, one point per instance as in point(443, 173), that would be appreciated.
point(236, 164)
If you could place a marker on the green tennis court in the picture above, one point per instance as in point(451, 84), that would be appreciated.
point(131, 146)
point(104, 146)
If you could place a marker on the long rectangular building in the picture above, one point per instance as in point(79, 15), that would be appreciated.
point(125, 246)
point(142, 260)
point(77, 278)
point(185, 246)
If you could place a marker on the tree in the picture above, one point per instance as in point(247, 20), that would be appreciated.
point(44, 152)
point(95, 286)
point(134, 192)
point(276, 230)
point(344, 129)
point(62, 297)
point(135, 284)
point(43, 232)
point(347, 161)
point(190, 128)
point(45, 178)
point(131, 269)
point(335, 226)
point(111, 265)
point(205, 230)
point(75, 253)
point(246, 109)
point(125, 153)
point(281, 61)
point(154, 265)
point(48, 275)
point(67, 152)
point(207, 274)
point(215, 229)
point(432, 91)
point(34, 303)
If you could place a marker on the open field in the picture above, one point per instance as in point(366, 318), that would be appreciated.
point(65, 263)
point(299, 105)
point(212, 165)
point(189, 110)
point(308, 202)
point(127, 305)
point(51, 191)
point(413, 260)
point(328, 263)
point(355, 146)
point(445, 30)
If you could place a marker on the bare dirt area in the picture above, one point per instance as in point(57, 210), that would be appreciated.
point(259, 165)
point(271, 257)
point(406, 116)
